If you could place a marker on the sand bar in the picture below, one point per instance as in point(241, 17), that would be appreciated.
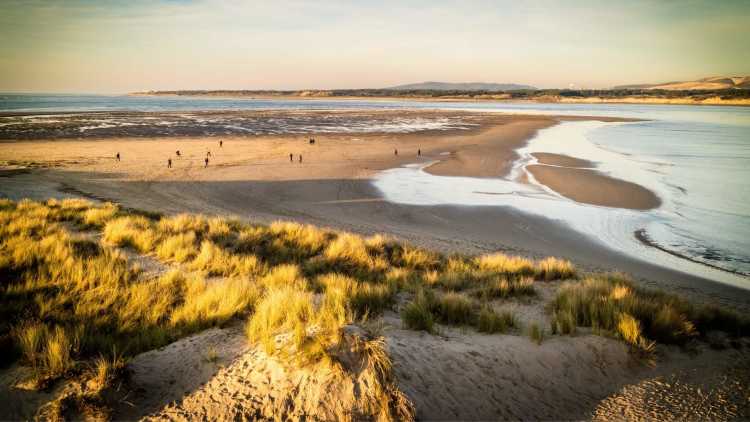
point(592, 187)
point(562, 160)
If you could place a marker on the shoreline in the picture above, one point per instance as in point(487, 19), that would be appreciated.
point(711, 101)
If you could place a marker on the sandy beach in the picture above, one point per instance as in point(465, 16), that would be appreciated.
point(253, 177)
point(328, 183)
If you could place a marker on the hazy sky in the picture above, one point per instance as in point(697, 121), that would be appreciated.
point(112, 46)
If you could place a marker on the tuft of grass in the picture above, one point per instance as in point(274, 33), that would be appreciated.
point(503, 287)
point(281, 311)
point(555, 269)
point(455, 308)
point(499, 263)
point(216, 261)
point(417, 314)
point(99, 217)
point(58, 351)
point(133, 231)
point(364, 299)
point(536, 333)
point(600, 301)
point(489, 321)
point(180, 247)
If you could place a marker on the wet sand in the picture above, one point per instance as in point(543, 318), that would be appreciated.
point(591, 187)
point(252, 177)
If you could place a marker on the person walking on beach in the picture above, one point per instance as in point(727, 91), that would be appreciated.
point(300, 158)
point(291, 158)
point(206, 161)
point(178, 153)
point(419, 153)
point(395, 152)
point(221, 144)
point(117, 157)
point(169, 163)
point(208, 154)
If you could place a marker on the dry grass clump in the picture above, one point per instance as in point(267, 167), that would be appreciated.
point(364, 299)
point(349, 253)
point(503, 287)
point(612, 303)
point(499, 263)
point(551, 268)
point(181, 247)
point(182, 223)
point(84, 299)
point(305, 239)
point(98, 217)
point(216, 261)
point(133, 231)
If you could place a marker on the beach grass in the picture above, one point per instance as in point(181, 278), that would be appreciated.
point(73, 294)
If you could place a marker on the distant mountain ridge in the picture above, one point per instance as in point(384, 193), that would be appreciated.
point(461, 86)
point(713, 82)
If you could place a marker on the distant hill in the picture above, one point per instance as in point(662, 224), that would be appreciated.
point(713, 83)
point(464, 86)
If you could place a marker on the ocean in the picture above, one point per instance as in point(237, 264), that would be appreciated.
point(696, 158)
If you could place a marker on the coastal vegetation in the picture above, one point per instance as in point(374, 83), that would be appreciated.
point(87, 286)
point(690, 95)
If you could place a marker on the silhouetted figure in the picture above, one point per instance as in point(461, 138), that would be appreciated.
point(291, 158)
point(208, 154)
point(178, 153)
point(419, 153)
point(169, 163)
point(312, 141)
point(206, 160)
point(395, 152)
point(221, 144)
point(300, 158)
point(117, 157)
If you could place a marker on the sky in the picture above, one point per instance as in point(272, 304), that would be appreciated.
point(109, 46)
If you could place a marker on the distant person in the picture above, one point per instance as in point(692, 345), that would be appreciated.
point(291, 158)
point(300, 158)
point(221, 144)
point(312, 141)
point(117, 157)
point(177, 152)
point(169, 163)
point(395, 152)
point(419, 153)
point(206, 161)
point(208, 154)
